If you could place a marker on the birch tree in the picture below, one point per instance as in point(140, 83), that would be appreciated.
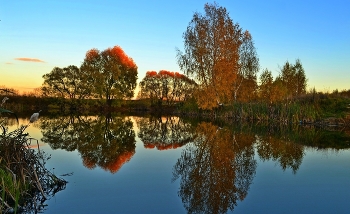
point(211, 55)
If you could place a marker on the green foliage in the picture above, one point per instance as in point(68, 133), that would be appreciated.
point(11, 189)
point(113, 73)
point(69, 82)
point(293, 78)
point(166, 87)
point(190, 106)
point(334, 106)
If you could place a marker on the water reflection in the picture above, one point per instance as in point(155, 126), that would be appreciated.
point(216, 170)
point(164, 132)
point(217, 164)
point(287, 154)
point(102, 141)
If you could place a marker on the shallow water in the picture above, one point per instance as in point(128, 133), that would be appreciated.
point(168, 165)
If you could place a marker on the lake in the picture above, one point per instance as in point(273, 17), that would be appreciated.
point(129, 164)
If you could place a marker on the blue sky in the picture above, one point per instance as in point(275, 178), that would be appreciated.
point(58, 33)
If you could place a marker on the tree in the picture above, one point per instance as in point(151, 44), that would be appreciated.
point(266, 86)
point(279, 91)
point(69, 82)
point(287, 78)
point(8, 91)
point(166, 86)
point(114, 73)
point(211, 54)
point(300, 78)
point(293, 78)
point(150, 87)
point(245, 85)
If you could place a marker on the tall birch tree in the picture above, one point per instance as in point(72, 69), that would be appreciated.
point(211, 55)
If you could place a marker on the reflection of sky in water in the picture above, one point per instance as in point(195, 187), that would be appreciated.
point(32, 130)
point(143, 185)
point(321, 185)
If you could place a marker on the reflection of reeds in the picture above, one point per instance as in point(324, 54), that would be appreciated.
point(25, 182)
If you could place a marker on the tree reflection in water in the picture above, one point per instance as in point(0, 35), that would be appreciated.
point(216, 170)
point(164, 132)
point(107, 142)
point(287, 153)
point(216, 167)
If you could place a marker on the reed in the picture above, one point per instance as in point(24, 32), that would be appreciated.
point(25, 182)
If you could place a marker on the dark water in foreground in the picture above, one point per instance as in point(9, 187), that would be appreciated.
point(168, 165)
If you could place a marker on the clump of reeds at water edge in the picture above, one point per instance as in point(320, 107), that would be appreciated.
point(25, 183)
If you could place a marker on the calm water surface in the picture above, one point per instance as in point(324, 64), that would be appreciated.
point(169, 165)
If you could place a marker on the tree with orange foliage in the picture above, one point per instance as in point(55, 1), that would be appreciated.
point(211, 55)
point(166, 86)
point(220, 56)
point(114, 73)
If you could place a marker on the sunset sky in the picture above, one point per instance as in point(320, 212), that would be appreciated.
point(36, 36)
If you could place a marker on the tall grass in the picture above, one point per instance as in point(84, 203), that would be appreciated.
point(311, 108)
point(282, 112)
point(25, 182)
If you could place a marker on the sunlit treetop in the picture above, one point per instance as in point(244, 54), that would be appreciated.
point(92, 54)
point(165, 73)
point(151, 73)
point(178, 75)
point(124, 59)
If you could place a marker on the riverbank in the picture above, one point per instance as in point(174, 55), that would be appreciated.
point(317, 109)
point(25, 183)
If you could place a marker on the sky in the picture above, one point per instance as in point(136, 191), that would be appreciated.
point(38, 35)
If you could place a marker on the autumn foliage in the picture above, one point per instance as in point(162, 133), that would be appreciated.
point(162, 146)
point(116, 164)
point(218, 54)
point(123, 59)
point(113, 72)
point(166, 86)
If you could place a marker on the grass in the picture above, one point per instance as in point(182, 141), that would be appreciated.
point(25, 182)
point(312, 108)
